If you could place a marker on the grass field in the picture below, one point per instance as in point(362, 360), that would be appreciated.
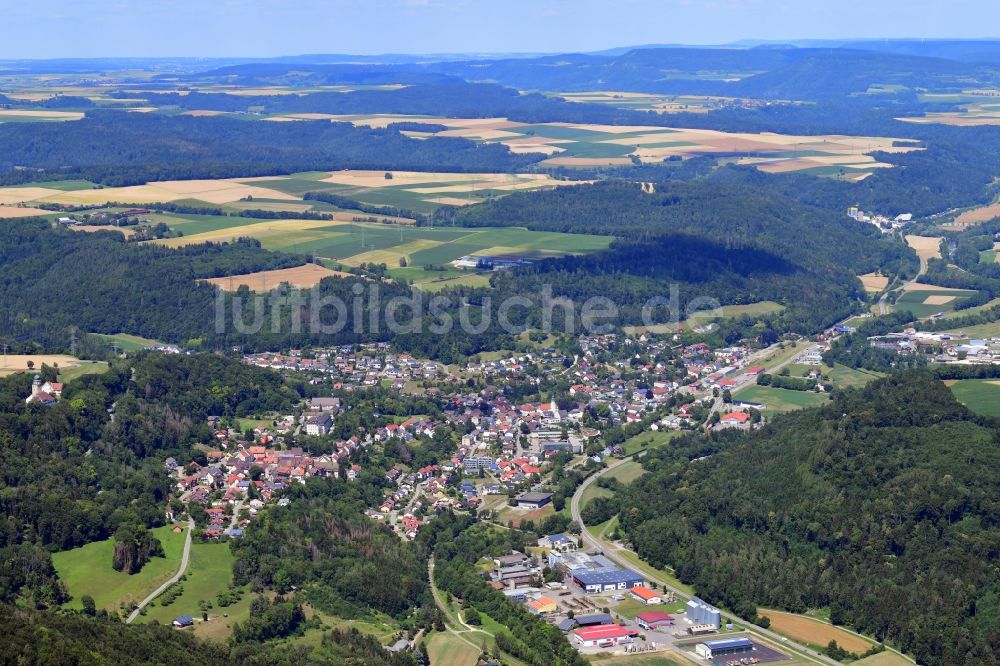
point(658, 659)
point(82, 368)
point(781, 400)
point(649, 440)
point(87, 570)
point(701, 318)
point(127, 342)
point(448, 649)
point(980, 395)
point(209, 572)
point(303, 277)
point(845, 377)
point(815, 633)
point(883, 659)
point(640, 566)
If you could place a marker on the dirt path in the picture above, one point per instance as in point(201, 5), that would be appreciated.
point(185, 557)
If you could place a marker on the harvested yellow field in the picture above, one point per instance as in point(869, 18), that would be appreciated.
point(202, 113)
point(802, 628)
point(263, 231)
point(11, 363)
point(926, 247)
point(47, 115)
point(978, 215)
point(920, 286)
point(451, 201)
point(127, 232)
point(938, 299)
point(210, 191)
point(302, 277)
point(16, 195)
point(587, 161)
point(884, 659)
point(7, 212)
point(874, 282)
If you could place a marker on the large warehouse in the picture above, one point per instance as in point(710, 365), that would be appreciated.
point(723, 647)
point(608, 634)
point(596, 573)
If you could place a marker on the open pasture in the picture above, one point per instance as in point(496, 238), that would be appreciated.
point(980, 395)
point(87, 571)
point(776, 400)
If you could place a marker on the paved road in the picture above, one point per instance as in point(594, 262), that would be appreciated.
point(882, 308)
point(609, 552)
point(176, 577)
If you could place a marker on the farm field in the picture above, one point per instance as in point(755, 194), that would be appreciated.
point(990, 330)
point(658, 659)
point(926, 247)
point(884, 659)
point(209, 573)
point(81, 369)
point(351, 244)
point(873, 282)
point(637, 101)
point(11, 363)
point(303, 277)
point(974, 114)
point(929, 300)
point(8, 212)
point(814, 632)
point(420, 191)
point(87, 570)
point(778, 400)
point(980, 395)
point(588, 145)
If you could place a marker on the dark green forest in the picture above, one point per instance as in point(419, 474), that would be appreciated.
point(882, 506)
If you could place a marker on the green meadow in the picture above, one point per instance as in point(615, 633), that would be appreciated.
point(980, 395)
point(209, 573)
point(781, 400)
point(87, 571)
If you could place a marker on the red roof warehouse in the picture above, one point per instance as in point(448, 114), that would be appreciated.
point(653, 619)
point(590, 636)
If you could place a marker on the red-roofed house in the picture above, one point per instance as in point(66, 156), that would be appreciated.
point(734, 419)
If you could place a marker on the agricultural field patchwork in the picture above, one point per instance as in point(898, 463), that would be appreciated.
point(928, 300)
point(589, 145)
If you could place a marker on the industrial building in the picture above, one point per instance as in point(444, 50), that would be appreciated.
point(602, 636)
point(646, 595)
point(595, 573)
point(651, 620)
point(593, 619)
point(698, 612)
point(724, 647)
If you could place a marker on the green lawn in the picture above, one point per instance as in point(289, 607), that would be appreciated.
point(980, 395)
point(642, 567)
point(627, 472)
point(703, 317)
point(781, 400)
point(989, 330)
point(209, 572)
point(87, 570)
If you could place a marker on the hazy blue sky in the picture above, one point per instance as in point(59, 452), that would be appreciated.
point(83, 28)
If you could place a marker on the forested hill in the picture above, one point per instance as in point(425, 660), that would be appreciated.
point(751, 244)
point(115, 148)
point(883, 506)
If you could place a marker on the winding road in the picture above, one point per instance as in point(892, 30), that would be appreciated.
point(609, 551)
point(185, 557)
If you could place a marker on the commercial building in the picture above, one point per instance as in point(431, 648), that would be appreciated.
point(534, 500)
point(476, 463)
point(698, 612)
point(593, 619)
point(723, 647)
point(542, 606)
point(605, 579)
point(650, 620)
point(602, 636)
point(646, 595)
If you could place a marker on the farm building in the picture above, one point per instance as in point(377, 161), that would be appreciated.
point(723, 647)
point(650, 620)
point(698, 612)
point(646, 595)
point(608, 634)
point(183, 621)
point(534, 500)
